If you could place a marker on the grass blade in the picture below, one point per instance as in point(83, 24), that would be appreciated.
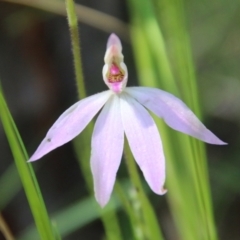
point(187, 179)
point(26, 173)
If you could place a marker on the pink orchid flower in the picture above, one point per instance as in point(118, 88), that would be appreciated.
point(124, 111)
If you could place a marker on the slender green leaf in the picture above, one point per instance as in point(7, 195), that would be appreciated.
point(187, 179)
point(76, 216)
point(26, 172)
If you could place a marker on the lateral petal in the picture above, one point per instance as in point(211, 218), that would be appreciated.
point(144, 141)
point(71, 123)
point(174, 112)
point(107, 149)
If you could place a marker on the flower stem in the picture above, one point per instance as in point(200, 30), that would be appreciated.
point(73, 27)
point(109, 218)
point(147, 220)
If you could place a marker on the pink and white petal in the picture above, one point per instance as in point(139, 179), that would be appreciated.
point(107, 149)
point(144, 141)
point(114, 49)
point(174, 112)
point(114, 40)
point(71, 123)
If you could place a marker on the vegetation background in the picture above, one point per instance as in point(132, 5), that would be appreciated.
point(37, 77)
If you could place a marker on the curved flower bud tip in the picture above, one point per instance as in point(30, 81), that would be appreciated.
point(115, 72)
point(114, 50)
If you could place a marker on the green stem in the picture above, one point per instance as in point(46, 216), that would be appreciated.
point(73, 27)
point(94, 18)
point(127, 204)
point(147, 220)
point(109, 219)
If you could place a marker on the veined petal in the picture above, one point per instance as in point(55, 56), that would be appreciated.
point(71, 123)
point(174, 112)
point(144, 141)
point(107, 149)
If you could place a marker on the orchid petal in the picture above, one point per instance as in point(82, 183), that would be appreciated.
point(107, 149)
point(144, 141)
point(174, 112)
point(71, 123)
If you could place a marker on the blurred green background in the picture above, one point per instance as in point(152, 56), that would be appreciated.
point(37, 77)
